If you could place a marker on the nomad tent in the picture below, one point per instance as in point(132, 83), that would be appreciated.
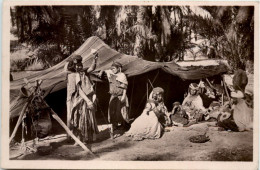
point(172, 77)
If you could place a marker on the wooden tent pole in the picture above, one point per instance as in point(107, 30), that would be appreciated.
point(56, 117)
point(211, 86)
point(147, 91)
point(222, 95)
point(19, 121)
point(225, 87)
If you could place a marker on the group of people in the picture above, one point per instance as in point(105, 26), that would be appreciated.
point(81, 98)
point(81, 106)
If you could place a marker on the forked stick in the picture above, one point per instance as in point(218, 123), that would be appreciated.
point(18, 121)
point(225, 87)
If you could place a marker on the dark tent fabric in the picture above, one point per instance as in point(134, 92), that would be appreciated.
point(54, 78)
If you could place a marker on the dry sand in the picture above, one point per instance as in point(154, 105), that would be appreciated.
point(173, 145)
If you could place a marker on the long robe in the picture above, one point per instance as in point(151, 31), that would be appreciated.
point(193, 106)
point(83, 120)
point(243, 115)
point(147, 125)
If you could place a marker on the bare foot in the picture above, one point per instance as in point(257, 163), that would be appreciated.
point(116, 136)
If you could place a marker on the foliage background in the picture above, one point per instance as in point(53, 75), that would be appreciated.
point(45, 35)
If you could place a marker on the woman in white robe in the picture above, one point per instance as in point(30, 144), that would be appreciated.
point(193, 104)
point(147, 125)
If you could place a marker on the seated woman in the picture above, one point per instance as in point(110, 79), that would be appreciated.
point(193, 104)
point(241, 118)
point(147, 125)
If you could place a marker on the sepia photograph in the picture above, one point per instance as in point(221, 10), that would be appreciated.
point(168, 84)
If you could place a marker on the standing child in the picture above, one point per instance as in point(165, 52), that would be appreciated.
point(118, 104)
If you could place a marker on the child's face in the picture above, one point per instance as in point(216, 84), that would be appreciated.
point(115, 69)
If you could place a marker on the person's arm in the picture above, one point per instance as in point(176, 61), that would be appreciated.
point(199, 104)
point(84, 96)
point(93, 65)
point(148, 108)
point(123, 96)
point(100, 73)
point(185, 100)
point(123, 85)
point(107, 72)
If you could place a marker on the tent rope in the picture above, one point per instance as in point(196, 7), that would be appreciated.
point(150, 83)
point(155, 77)
point(54, 86)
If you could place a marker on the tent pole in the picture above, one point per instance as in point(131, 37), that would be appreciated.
point(222, 94)
point(211, 86)
point(225, 87)
point(18, 122)
point(132, 91)
point(155, 77)
point(56, 117)
point(147, 97)
point(150, 83)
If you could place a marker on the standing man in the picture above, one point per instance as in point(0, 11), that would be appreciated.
point(118, 104)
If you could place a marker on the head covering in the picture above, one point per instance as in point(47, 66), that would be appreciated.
point(194, 86)
point(78, 58)
point(215, 104)
point(238, 94)
point(202, 84)
point(176, 103)
point(116, 64)
point(158, 90)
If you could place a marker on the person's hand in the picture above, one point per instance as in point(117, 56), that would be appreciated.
point(100, 74)
point(90, 105)
point(95, 56)
point(122, 99)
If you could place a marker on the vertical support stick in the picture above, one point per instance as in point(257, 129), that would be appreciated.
point(222, 96)
point(147, 91)
point(225, 87)
point(18, 121)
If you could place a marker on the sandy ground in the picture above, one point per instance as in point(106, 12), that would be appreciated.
point(173, 145)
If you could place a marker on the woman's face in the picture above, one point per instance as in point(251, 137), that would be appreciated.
point(193, 91)
point(78, 67)
point(157, 97)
